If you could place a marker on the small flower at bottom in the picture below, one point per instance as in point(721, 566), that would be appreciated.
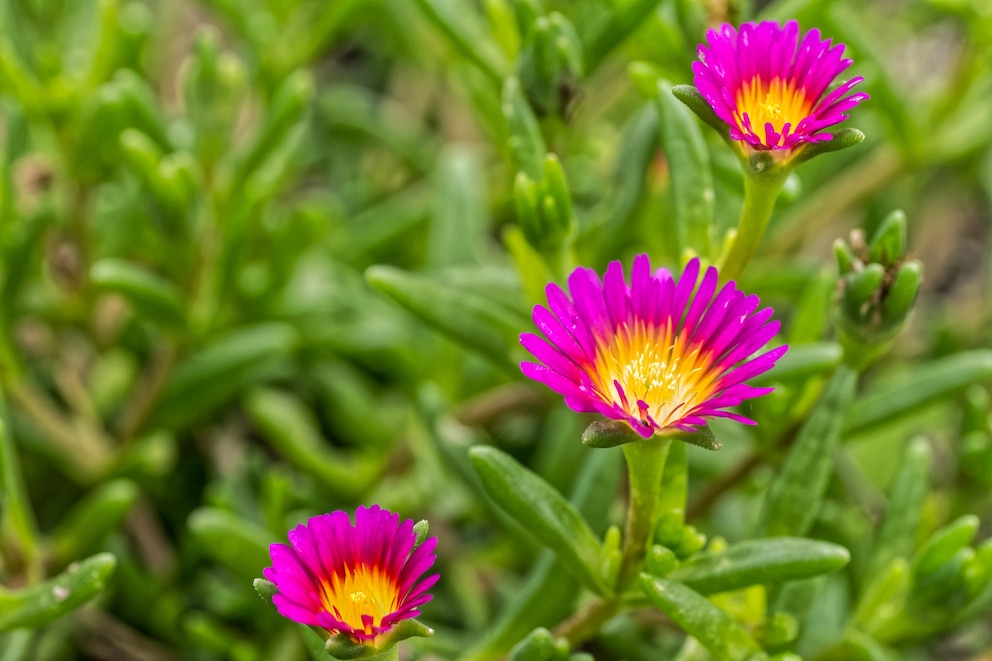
point(770, 87)
point(658, 353)
point(359, 580)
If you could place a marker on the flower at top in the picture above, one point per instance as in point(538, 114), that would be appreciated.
point(358, 580)
point(653, 353)
point(770, 87)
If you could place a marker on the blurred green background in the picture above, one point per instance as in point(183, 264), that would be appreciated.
point(261, 259)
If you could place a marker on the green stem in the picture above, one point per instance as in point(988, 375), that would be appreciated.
point(14, 496)
point(645, 466)
point(760, 192)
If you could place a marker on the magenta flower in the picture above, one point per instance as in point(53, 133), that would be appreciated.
point(770, 88)
point(358, 580)
point(654, 353)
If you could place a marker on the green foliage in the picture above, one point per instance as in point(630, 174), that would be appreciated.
point(265, 259)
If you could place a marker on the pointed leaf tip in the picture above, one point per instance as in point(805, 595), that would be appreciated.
point(265, 589)
point(691, 97)
point(842, 140)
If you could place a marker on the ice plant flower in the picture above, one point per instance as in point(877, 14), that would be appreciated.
point(358, 580)
point(657, 353)
point(770, 87)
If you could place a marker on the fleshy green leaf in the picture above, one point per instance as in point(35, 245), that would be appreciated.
point(700, 618)
point(239, 544)
point(36, 606)
point(760, 561)
point(468, 318)
point(290, 427)
point(226, 367)
point(842, 140)
point(926, 383)
point(690, 96)
point(691, 174)
point(801, 362)
point(538, 645)
point(544, 512)
point(793, 499)
point(153, 297)
point(905, 509)
point(458, 24)
point(524, 134)
point(265, 589)
point(94, 517)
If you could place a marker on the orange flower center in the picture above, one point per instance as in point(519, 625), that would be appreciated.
point(652, 366)
point(363, 591)
point(777, 103)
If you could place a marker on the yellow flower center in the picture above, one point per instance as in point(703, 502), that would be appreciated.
point(363, 591)
point(650, 365)
point(777, 103)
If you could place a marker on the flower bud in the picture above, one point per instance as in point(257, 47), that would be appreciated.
point(876, 290)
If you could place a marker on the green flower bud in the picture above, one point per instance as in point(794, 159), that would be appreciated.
point(661, 561)
point(876, 291)
point(781, 628)
point(550, 65)
point(544, 209)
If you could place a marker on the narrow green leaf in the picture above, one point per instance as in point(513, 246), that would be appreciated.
point(240, 545)
point(922, 385)
point(45, 602)
point(811, 319)
point(458, 23)
point(694, 101)
point(624, 19)
point(889, 241)
point(470, 319)
point(842, 140)
point(142, 108)
point(943, 545)
point(17, 645)
point(897, 536)
point(760, 562)
point(883, 597)
point(458, 210)
point(93, 518)
point(803, 361)
point(290, 427)
point(153, 297)
point(794, 498)
point(523, 132)
point(225, 368)
point(265, 589)
point(692, 176)
point(538, 645)
point(902, 293)
point(550, 590)
point(544, 512)
point(700, 618)
point(285, 112)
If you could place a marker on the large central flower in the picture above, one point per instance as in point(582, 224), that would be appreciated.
point(770, 87)
point(657, 353)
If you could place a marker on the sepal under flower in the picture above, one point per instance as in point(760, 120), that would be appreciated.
point(771, 88)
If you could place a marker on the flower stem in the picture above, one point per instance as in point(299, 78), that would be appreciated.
point(760, 192)
point(14, 495)
point(645, 465)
